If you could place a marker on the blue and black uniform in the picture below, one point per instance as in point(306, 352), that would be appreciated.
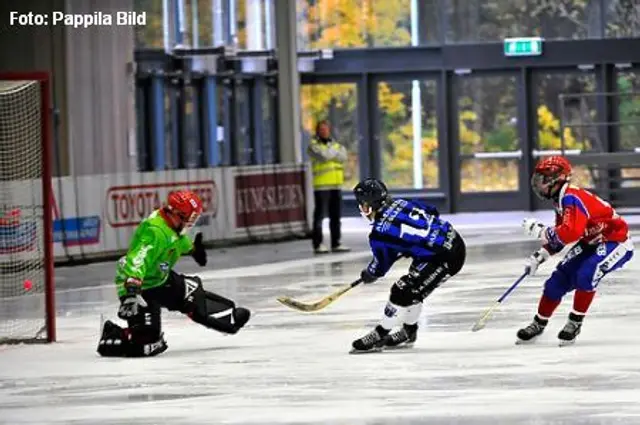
point(403, 228)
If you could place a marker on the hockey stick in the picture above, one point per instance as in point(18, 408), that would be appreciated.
point(480, 324)
point(320, 304)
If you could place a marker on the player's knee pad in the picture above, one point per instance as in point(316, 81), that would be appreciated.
point(402, 293)
point(194, 294)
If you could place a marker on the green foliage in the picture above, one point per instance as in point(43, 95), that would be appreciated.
point(629, 101)
point(549, 136)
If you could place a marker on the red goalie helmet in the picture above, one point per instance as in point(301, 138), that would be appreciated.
point(550, 175)
point(183, 210)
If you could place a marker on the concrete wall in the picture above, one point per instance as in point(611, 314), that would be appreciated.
point(100, 87)
point(37, 48)
point(93, 80)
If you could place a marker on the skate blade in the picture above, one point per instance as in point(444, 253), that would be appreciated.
point(563, 343)
point(373, 350)
point(523, 342)
point(400, 346)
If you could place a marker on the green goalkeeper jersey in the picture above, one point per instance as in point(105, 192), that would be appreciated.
point(154, 249)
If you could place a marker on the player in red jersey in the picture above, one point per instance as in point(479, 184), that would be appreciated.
point(602, 245)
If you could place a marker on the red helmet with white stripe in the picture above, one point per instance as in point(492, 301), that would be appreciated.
point(550, 175)
point(183, 210)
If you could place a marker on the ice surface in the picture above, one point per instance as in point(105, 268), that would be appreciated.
point(289, 367)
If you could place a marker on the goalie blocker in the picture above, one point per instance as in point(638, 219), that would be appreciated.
point(143, 337)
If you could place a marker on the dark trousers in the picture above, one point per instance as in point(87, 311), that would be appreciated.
point(146, 327)
point(184, 294)
point(425, 276)
point(327, 201)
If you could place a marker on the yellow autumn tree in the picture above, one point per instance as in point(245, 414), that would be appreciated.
point(344, 24)
point(549, 131)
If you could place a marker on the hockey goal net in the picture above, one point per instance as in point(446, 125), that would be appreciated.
point(26, 243)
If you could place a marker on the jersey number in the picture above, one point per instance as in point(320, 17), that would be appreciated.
point(416, 214)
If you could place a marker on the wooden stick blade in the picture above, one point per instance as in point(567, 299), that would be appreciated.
point(299, 305)
point(318, 305)
point(482, 322)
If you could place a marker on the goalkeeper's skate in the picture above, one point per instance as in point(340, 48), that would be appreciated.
point(532, 331)
point(403, 338)
point(370, 343)
point(571, 330)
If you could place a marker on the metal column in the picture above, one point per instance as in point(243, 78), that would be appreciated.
point(364, 122)
point(210, 100)
point(289, 140)
point(448, 144)
point(527, 117)
point(158, 123)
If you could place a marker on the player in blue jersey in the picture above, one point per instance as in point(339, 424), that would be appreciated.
point(403, 228)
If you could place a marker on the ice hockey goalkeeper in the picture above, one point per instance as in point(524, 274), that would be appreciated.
point(146, 282)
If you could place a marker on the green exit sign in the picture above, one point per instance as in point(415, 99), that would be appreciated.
point(523, 46)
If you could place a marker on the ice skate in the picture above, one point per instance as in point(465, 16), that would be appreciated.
point(403, 338)
point(532, 331)
point(571, 330)
point(370, 343)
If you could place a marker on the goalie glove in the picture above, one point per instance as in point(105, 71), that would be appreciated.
point(199, 254)
point(132, 301)
point(534, 228)
point(534, 261)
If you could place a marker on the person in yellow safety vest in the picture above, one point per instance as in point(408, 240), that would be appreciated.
point(327, 160)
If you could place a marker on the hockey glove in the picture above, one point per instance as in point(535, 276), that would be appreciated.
point(132, 301)
point(367, 277)
point(534, 261)
point(533, 227)
point(199, 253)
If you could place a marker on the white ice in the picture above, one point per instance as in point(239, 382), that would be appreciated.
point(288, 367)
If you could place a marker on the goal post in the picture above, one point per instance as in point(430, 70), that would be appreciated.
point(27, 304)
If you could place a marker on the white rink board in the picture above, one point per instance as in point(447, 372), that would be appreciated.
point(97, 214)
point(288, 367)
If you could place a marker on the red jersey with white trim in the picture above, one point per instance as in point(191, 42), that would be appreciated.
point(583, 216)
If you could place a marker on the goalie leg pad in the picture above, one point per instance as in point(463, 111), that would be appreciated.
point(219, 313)
point(146, 327)
point(117, 342)
point(145, 330)
point(114, 341)
point(186, 294)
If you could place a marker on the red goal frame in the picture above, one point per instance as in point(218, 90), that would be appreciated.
point(44, 79)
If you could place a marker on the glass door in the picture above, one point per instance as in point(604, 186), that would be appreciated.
point(565, 103)
point(407, 131)
point(337, 103)
point(488, 139)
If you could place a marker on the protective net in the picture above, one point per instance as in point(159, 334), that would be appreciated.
point(22, 255)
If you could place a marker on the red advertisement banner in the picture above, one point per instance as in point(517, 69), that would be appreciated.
point(270, 198)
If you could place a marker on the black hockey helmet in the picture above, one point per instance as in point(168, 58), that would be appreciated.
point(371, 195)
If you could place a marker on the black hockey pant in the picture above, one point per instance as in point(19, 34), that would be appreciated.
point(185, 294)
point(425, 276)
